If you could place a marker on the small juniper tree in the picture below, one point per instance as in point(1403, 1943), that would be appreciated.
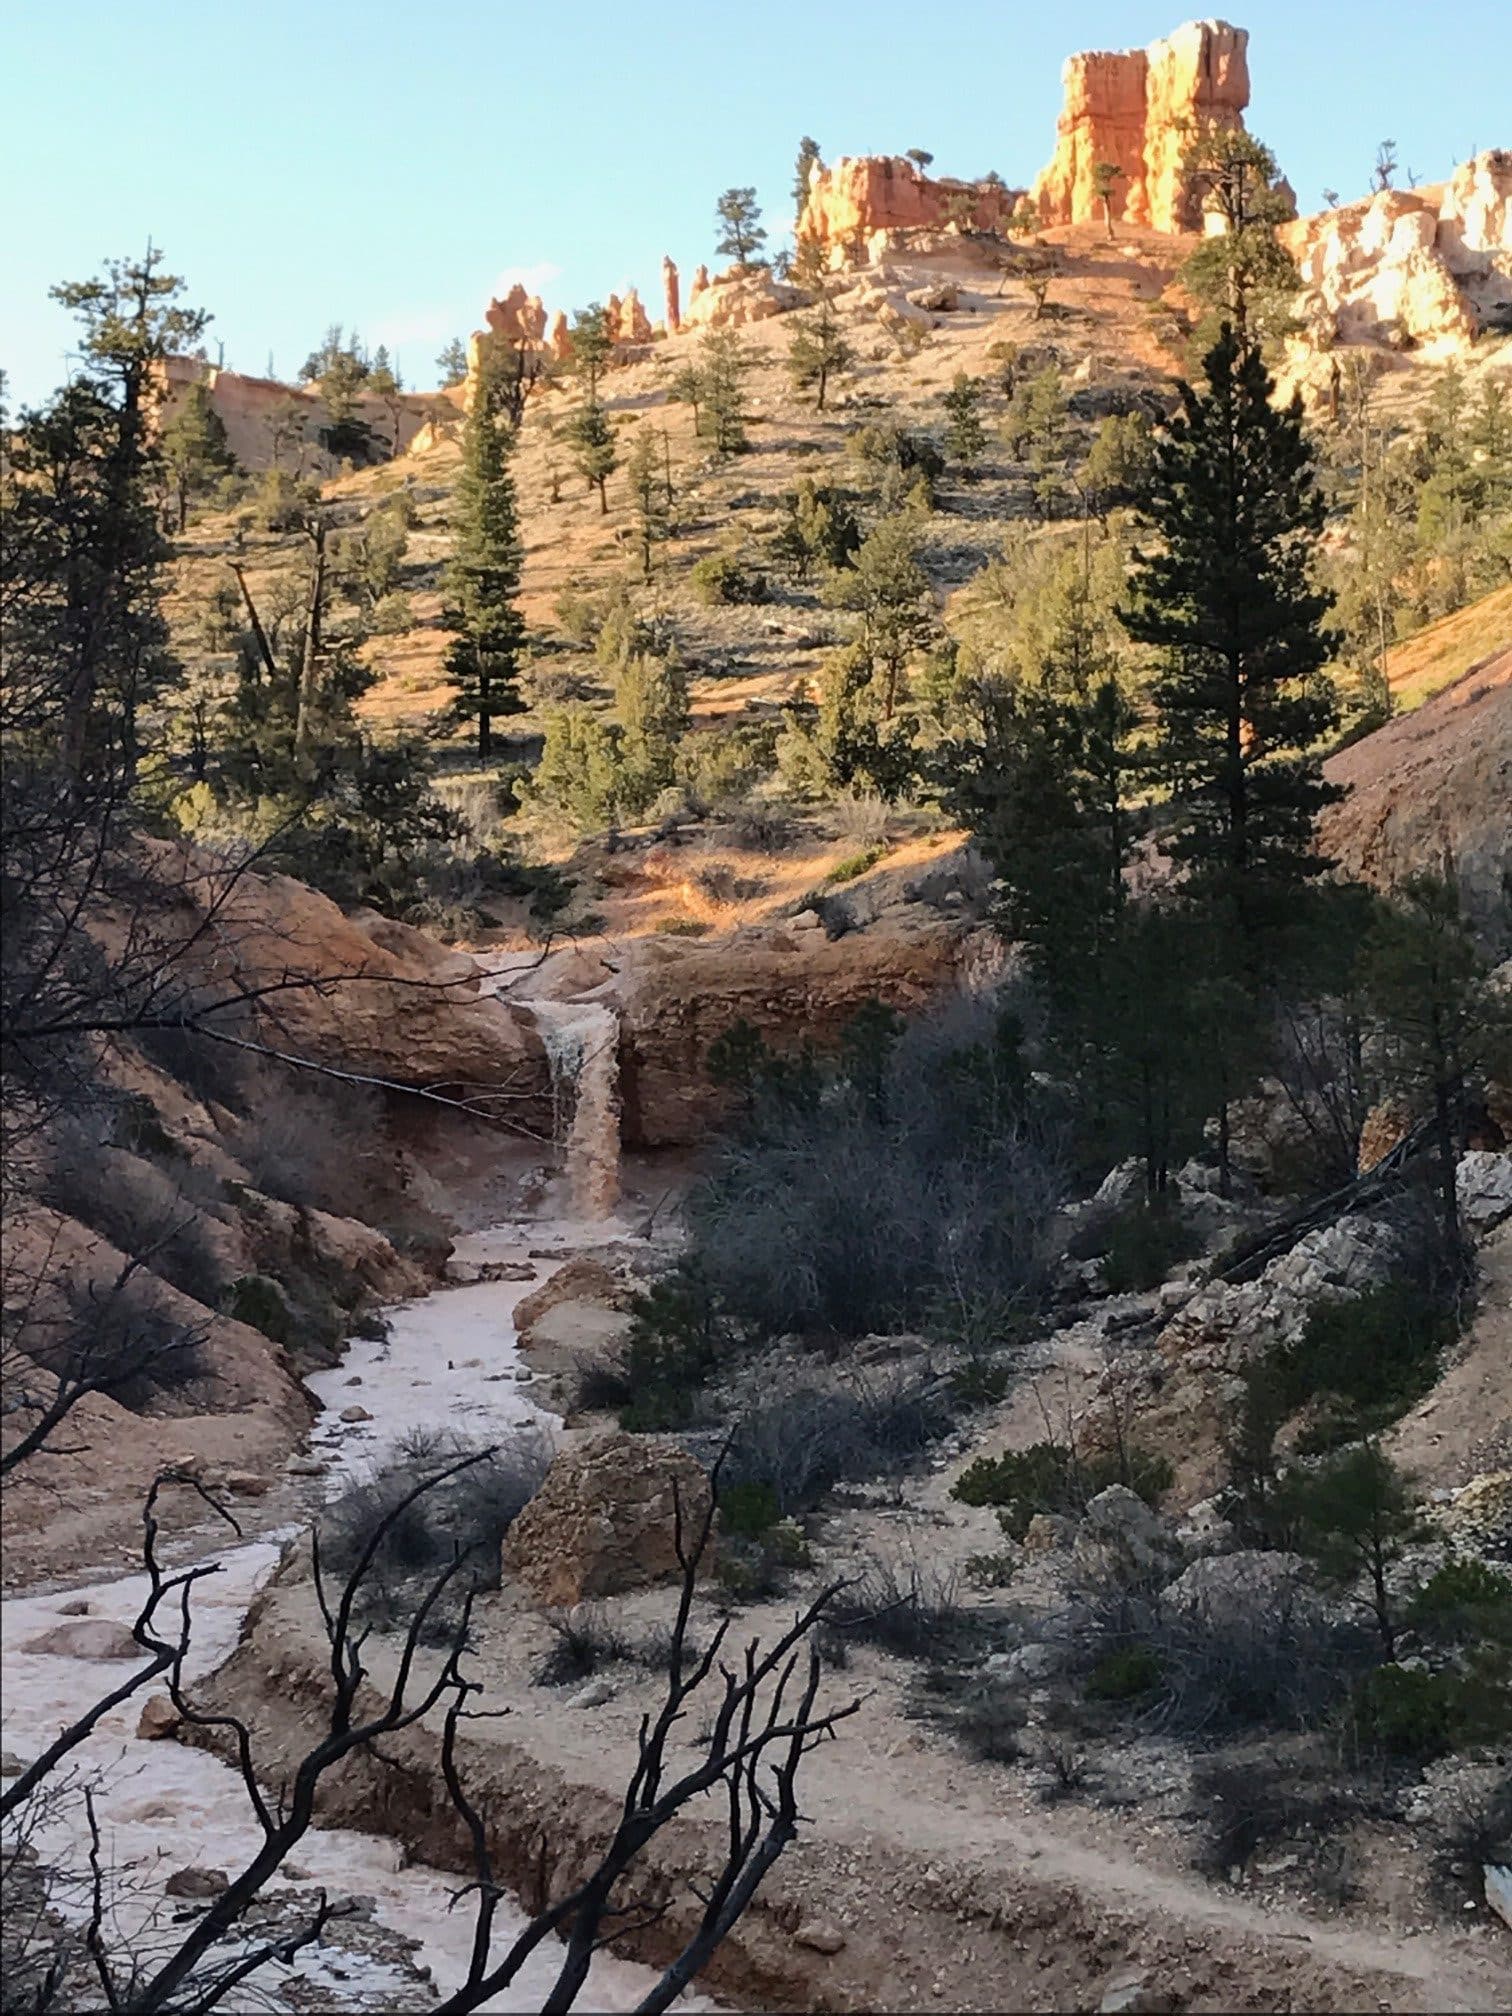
point(965, 436)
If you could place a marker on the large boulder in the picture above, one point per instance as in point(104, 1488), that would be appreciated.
point(606, 1520)
point(1483, 1182)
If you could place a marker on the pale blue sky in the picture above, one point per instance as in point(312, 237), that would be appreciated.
point(384, 164)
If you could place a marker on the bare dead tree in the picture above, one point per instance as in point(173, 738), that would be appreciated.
point(767, 1719)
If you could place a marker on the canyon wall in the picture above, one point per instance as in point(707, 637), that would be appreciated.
point(266, 420)
point(1409, 267)
point(1132, 109)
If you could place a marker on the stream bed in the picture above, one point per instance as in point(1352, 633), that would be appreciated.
point(449, 1363)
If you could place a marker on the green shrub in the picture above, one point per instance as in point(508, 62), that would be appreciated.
point(854, 865)
point(1124, 1675)
point(682, 927)
point(720, 578)
point(1464, 1599)
point(1141, 1247)
point(393, 614)
point(260, 1301)
point(1048, 1478)
point(1377, 1354)
point(1401, 1711)
point(981, 1383)
point(748, 1510)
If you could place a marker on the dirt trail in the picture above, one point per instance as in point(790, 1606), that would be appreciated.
point(948, 1888)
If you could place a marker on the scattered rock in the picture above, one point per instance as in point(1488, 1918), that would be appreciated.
point(1483, 1182)
point(76, 1606)
point(159, 1718)
point(592, 1694)
point(1129, 1992)
point(603, 1521)
point(11, 1765)
point(1229, 1589)
point(90, 1638)
point(941, 300)
point(819, 1936)
point(1498, 1881)
point(307, 1466)
point(355, 1413)
point(580, 1280)
point(196, 1883)
point(1047, 1531)
point(247, 1484)
point(1119, 1529)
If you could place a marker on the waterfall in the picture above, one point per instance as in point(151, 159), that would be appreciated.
point(582, 1049)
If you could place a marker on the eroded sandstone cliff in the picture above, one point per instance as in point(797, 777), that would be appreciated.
point(1424, 266)
point(1134, 109)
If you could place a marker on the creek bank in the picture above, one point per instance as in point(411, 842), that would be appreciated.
point(448, 1362)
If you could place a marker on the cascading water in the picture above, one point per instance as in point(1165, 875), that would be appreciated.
point(581, 1039)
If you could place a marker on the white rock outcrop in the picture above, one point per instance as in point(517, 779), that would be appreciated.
point(1426, 267)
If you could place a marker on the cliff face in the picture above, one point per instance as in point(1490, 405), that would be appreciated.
point(266, 420)
point(1131, 109)
point(1411, 266)
point(1431, 786)
point(855, 198)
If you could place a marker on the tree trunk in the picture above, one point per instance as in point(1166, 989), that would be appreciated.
point(309, 670)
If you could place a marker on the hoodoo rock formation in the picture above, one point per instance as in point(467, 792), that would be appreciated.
point(739, 295)
point(1133, 109)
point(671, 297)
point(1431, 265)
point(628, 320)
point(856, 205)
point(520, 317)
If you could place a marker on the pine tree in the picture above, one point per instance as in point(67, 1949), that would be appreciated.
point(738, 216)
point(591, 439)
point(483, 574)
point(1229, 602)
point(724, 361)
point(965, 436)
point(592, 346)
point(88, 473)
point(649, 492)
point(818, 350)
point(1437, 1014)
point(194, 448)
point(890, 592)
point(808, 159)
point(452, 363)
point(1242, 272)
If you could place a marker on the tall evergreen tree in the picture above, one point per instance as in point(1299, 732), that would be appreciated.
point(483, 575)
point(1229, 601)
point(83, 509)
